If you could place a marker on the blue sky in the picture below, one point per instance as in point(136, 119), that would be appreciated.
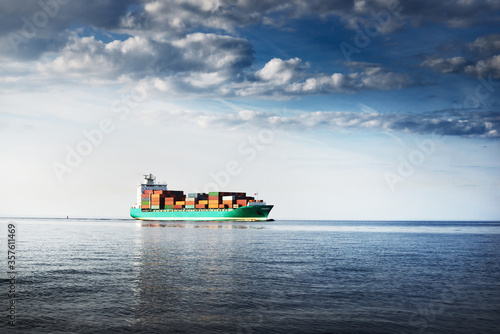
point(346, 109)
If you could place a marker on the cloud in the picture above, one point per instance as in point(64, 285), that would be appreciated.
point(28, 28)
point(443, 65)
point(445, 122)
point(182, 15)
point(212, 64)
point(476, 68)
point(452, 123)
point(139, 57)
point(280, 71)
point(483, 62)
point(193, 46)
point(281, 78)
point(486, 45)
point(485, 68)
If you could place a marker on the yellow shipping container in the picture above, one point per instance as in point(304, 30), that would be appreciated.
point(180, 202)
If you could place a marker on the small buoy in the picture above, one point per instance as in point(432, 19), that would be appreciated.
point(66, 217)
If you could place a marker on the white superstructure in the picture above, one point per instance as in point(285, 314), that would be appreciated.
point(148, 184)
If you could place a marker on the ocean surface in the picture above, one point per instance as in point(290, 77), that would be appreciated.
point(124, 276)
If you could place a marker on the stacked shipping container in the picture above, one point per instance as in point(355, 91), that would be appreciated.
point(175, 199)
point(146, 199)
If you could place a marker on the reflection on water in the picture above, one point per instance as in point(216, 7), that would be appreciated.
point(344, 226)
point(207, 225)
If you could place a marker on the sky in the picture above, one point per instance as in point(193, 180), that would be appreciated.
point(334, 110)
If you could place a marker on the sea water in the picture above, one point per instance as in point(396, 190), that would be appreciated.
point(125, 276)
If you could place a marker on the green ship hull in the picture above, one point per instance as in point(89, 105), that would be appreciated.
point(245, 213)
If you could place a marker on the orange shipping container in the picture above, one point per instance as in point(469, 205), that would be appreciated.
point(148, 191)
point(242, 202)
point(200, 206)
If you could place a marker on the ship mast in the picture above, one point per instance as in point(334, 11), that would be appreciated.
point(150, 179)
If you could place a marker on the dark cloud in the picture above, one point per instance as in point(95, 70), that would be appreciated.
point(454, 13)
point(159, 20)
point(28, 28)
point(177, 17)
point(62, 14)
point(487, 45)
point(445, 65)
point(483, 59)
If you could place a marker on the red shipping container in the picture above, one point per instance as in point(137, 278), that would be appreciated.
point(213, 197)
point(148, 191)
point(178, 206)
point(200, 206)
point(158, 192)
point(242, 202)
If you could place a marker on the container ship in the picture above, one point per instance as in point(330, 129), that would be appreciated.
point(156, 202)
